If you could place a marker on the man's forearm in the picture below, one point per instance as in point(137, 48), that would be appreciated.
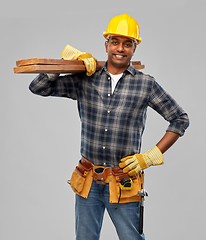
point(167, 141)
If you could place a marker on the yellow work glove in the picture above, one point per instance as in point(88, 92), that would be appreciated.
point(135, 163)
point(71, 53)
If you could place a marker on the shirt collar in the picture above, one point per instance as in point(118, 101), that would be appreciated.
point(130, 69)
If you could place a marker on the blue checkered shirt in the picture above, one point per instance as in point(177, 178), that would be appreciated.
point(112, 124)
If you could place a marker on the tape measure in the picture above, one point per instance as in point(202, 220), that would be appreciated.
point(126, 183)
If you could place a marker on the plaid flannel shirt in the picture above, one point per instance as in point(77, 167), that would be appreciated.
point(112, 124)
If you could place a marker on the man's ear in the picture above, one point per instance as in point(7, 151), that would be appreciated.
point(134, 49)
point(106, 46)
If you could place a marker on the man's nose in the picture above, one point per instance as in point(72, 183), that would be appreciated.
point(120, 47)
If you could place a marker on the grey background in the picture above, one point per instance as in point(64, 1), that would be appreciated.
point(40, 137)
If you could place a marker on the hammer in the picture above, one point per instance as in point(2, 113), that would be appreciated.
point(141, 193)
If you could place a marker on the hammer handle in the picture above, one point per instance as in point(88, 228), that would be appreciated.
point(141, 211)
point(141, 219)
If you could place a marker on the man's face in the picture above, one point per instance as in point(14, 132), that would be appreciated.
point(120, 51)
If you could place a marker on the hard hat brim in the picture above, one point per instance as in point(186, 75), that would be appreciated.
point(107, 35)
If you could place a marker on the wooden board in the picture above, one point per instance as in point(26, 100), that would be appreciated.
point(45, 65)
point(48, 61)
point(50, 69)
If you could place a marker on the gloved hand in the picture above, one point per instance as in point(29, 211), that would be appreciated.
point(70, 53)
point(135, 163)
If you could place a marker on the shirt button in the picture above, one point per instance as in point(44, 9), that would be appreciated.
point(103, 147)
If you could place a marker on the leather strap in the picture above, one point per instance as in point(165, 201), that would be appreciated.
point(85, 164)
point(100, 177)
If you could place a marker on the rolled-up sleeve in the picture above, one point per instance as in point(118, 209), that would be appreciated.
point(169, 109)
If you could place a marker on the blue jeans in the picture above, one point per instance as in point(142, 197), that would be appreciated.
point(89, 215)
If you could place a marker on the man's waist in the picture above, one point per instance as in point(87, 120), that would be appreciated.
point(100, 173)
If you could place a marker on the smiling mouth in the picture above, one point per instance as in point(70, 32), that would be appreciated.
point(119, 56)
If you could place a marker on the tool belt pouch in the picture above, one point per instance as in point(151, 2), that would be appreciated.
point(125, 195)
point(81, 180)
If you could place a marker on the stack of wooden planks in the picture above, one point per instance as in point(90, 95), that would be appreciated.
point(46, 65)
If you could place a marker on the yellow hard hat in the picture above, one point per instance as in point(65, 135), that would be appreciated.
point(124, 25)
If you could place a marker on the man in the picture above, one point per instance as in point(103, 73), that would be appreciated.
point(112, 106)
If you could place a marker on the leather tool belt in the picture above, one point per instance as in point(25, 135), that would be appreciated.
point(100, 173)
point(86, 172)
